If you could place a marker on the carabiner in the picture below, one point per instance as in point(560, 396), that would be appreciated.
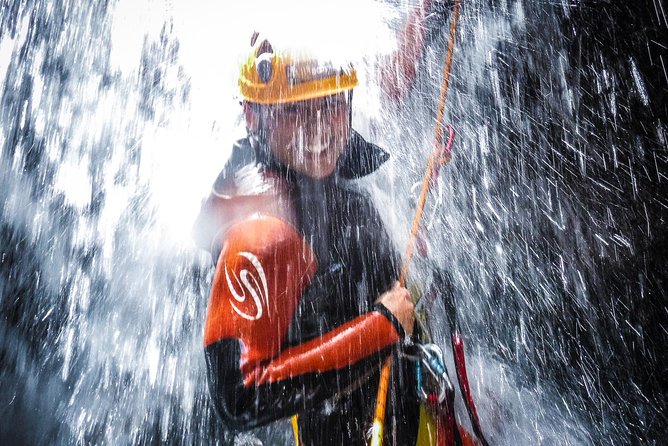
point(432, 359)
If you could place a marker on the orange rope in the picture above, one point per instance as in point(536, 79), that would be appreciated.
point(438, 138)
point(446, 74)
point(379, 416)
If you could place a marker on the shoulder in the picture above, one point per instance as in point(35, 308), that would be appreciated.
point(267, 255)
point(243, 188)
point(263, 267)
point(265, 236)
point(243, 173)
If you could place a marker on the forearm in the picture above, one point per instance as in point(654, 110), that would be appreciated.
point(241, 407)
point(299, 377)
point(342, 347)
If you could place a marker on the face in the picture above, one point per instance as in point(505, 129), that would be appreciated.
point(308, 136)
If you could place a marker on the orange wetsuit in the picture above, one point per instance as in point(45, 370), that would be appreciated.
point(291, 325)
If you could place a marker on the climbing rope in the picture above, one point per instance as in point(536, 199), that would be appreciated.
point(440, 155)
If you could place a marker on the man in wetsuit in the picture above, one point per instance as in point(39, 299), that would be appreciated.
point(304, 304)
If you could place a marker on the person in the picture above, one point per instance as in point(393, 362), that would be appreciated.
point(304, 305)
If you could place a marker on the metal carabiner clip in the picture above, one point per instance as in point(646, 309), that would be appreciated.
point(431, 357)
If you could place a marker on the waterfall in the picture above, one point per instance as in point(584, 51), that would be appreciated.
point(115, 118)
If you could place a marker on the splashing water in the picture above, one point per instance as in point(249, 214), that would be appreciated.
point(116, 117)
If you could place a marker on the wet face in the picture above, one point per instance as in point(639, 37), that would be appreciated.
point(308, 136)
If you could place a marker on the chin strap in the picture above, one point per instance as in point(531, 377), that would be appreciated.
point(350, 110)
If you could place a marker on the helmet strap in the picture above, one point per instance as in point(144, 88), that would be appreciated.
point(258, 134)
point(350, 110)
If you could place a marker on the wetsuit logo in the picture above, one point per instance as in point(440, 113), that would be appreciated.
point(254, 283)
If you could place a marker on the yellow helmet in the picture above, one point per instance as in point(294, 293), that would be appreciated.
point(273, 77)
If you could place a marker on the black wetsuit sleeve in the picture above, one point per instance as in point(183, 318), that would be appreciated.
point(242, 408)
